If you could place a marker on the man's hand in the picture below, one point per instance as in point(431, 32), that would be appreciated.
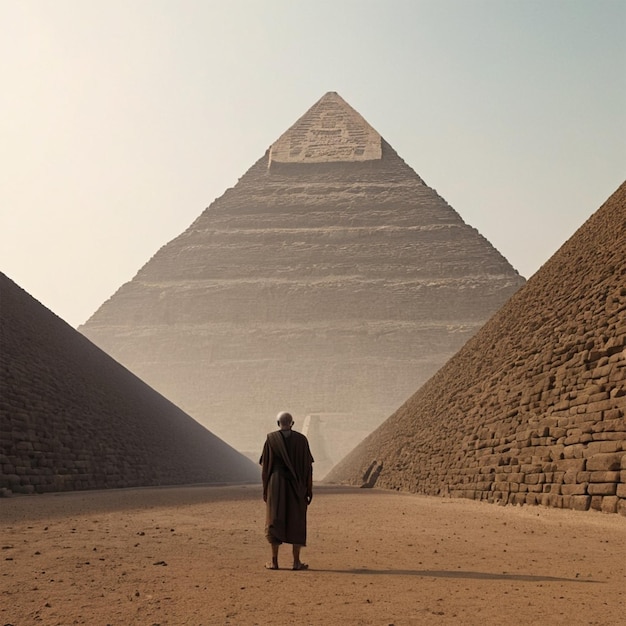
point(309, 497)
point(265, 496)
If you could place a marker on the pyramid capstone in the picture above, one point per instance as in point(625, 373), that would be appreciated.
point(532, 410)
point(329, 280)
point(331, 131)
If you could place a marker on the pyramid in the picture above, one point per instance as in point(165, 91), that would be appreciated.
point(532, 410)
point(72, 418)
point(329, 280)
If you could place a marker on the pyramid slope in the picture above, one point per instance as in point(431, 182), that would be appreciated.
point(72, 418)
point(532, 409)
point(327, 287)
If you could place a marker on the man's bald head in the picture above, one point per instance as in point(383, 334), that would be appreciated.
point(285, 421)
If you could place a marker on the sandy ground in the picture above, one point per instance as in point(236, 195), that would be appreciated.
point(195, 555)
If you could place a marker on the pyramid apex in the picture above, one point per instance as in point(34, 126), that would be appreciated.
point(330, 131)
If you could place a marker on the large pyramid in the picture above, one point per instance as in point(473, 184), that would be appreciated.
point(533, 408)
point(72, 418)
point(330, 281)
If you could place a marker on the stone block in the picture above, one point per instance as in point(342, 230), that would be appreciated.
point(610, 422)
point(592, 448)
point(556, 501)
point(535, 479)
point(602, 489)
point(609, 504)
point(598, 397)
point(600, 372)
point(565, 465)
point(604, 462)
point(596, 503)
point(518, 498)
point(532, 499)
point(10, 480)
point(618, 392)
point(621, 490)
point(617, 436)
point(570, 477)
point(557, 452)
point(604, 477)
point(531, 468)
point(24, 489)
point(580, 399)
point(576, 451)
point(610, 446)
point(483, 486)
point(580, 503)
point(621, 506)
point(558, 432)
point(574, 490)
point(614, 417)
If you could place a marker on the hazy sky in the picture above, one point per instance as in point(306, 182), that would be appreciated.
point(121, 120)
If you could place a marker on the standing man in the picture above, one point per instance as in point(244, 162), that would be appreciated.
point(287, 473)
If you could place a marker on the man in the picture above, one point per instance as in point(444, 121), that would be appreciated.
point(287, 473)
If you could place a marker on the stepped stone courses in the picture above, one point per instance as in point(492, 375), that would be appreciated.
point(330, 279)
point(72, 418)
point(532, 409)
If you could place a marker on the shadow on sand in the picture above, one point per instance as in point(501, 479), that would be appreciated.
point(456, 574)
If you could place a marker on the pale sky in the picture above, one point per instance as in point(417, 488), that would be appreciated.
point(121, 120)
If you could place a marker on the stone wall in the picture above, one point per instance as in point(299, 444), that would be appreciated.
point(72, 418)
point(533, 409)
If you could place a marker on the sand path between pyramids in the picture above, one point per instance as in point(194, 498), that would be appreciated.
point(195, 555)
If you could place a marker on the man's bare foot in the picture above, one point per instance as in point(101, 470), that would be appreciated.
point(300, 565)
point(273, 564)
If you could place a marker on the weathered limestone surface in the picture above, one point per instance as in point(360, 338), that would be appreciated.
point(72, 418)
point(329, 131)
point(532, 409)
point(330, 279)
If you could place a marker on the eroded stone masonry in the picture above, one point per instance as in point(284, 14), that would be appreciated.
point(532, 409)
point(72, 418)
point(329, 280)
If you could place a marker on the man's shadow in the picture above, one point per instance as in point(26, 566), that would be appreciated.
point(455, 574)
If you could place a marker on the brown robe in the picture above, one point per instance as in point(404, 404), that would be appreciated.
point(287, 474)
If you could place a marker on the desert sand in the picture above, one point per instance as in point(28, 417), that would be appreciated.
point(195, 555)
